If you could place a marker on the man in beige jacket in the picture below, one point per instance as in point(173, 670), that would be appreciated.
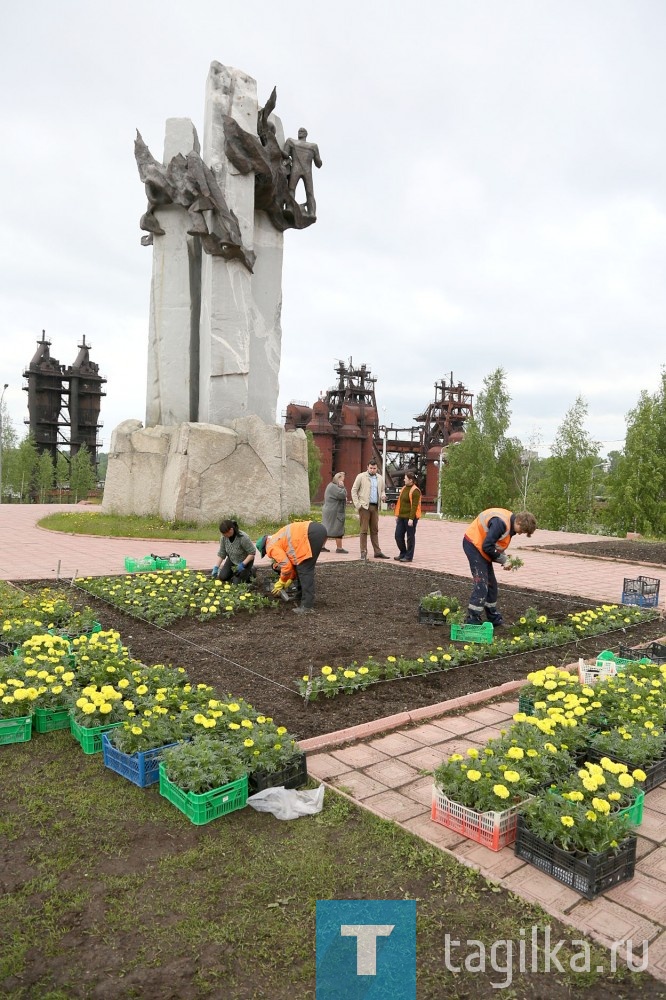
point(367, 493)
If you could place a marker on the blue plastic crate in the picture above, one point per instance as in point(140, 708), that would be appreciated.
point(643, 591)
point(142, 767)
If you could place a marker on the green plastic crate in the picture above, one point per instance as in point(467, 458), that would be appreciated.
point(15, 730)
point(472, 633)
point(635, 810)
point(90, 740)
point(64, 634)
point(170, 563)
point(47, 720)
point(144, 565)
point(204, 808)
point(525, 704)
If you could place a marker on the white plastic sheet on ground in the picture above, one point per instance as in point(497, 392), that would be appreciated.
point(288, 803)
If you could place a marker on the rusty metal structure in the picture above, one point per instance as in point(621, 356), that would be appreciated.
point(419, 447)
point(345, 426)
point(64, 403)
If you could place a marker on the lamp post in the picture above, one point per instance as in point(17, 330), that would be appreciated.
point(439, 483)
point(2, 399)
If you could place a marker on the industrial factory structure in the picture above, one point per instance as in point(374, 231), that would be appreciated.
point(345, 425)
point(64, 403)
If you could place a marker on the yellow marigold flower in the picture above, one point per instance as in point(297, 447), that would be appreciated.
point(137, 730)
point(639, 774)
point(473, 775)
point(327, 670)
point(456, 756)
point(246, 724)
point(433, 659)
point(501, 791)
point(332, 677)
point(567, 820)
point(233, 725)
point(515, 753)
point(248, 743)
point(614, 796)
point(349, 673)
point(601, 806)
point(591, 815)
point(391, 659)
point(142, 689)
point(532, 753)
point(511, 776)
point(233, 707)
point(575, 796)
point(625, 780)
point(363, 670)
point(305, 677)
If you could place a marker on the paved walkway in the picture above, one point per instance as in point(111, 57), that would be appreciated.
point(379, 765)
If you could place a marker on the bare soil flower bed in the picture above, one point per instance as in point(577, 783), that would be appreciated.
point(361, 610)
point(622, 549)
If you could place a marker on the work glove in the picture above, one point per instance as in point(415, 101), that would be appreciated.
point(215, 570)
point(239, 569)
point(280, 585)
point(502, 558)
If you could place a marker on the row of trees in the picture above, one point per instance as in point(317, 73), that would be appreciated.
point(490, 469)
point(28, 475)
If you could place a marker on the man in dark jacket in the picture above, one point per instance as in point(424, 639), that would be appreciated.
point(485, 544)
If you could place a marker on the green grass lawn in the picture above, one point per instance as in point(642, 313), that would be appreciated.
point(133, 526)
point(109, 890)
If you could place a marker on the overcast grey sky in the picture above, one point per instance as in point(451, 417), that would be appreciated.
point(493, 191)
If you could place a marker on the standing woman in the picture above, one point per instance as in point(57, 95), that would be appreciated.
point(333, 511)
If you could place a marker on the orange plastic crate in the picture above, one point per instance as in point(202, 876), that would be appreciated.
point(492, 829)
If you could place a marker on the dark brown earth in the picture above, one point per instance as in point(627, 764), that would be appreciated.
point(361, 610)
point(621, 549)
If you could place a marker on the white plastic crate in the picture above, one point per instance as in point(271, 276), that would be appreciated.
point(590, 673)
point(492, 829)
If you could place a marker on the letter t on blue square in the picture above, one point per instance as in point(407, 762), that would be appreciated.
point(366, 949)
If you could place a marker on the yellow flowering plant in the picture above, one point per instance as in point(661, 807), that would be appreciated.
point(17, 700)
point(606, 786)
point(98, 706)
point(637, 743)
point(141, 734)
point(264, 746)
point(576, 826)
point(203, 765)
point(484, 783)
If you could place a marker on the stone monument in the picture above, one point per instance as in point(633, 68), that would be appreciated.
point(215, 219)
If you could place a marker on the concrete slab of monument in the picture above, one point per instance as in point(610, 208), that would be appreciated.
point(200, 472)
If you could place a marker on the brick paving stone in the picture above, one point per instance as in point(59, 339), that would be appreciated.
point(609, 922)
point(492, 864)
point(643, 895)
point(434, 833)
point(394, 744)
point(425, 759)
point(656, 799)
point(392, 773)
point(487, 716)
point(537, 887)
point(488, 733)
point(420, 790)
point(324, 766)
point(359, 755)
point(458, 725)
point(358, 785)
point(653, 826)
point(656, 957)
point(507, 708)
point(654, 865)
point(644, 847)
point(427, 735)
point(457, 746)
point(395, 806)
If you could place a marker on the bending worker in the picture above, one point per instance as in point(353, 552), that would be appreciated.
point(294, 550)
point(235, 557)
point(485, 544)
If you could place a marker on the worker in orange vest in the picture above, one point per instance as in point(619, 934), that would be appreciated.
point(294, 550)
point(407, 514)
point(485, 544)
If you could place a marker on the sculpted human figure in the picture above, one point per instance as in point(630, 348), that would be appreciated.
point(303, 154)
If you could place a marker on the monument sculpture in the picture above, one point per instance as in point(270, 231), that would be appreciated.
point(215, 220)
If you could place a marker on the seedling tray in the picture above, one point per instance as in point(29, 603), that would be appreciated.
point(90, 740)
point(292, 776)
point(142, 767)
point(15, 730)
point(48, 720)
point(204, 808)
point(492, 829)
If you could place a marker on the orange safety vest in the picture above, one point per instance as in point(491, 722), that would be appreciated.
point(478, 529)
point(288, 547)
point(418, 506)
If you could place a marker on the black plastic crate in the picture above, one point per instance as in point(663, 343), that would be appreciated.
point(657, 652)
point(588, 874)
point(643, 591)
point(633, 653)
point(7, 648)
point(292, 776)
point(655, 774)
point(432, 617)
